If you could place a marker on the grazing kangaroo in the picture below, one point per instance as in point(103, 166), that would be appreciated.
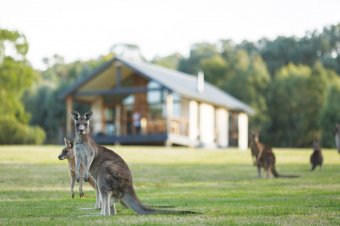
point(316, 158)
point(336, 133)
point(113, 176)
point(67, 153)
point(263, 157)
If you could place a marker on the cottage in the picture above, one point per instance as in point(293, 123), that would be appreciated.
point(135, 102)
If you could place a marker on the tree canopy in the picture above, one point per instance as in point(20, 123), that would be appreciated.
point(16, 76)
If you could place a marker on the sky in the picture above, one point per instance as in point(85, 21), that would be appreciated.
point(84, 29)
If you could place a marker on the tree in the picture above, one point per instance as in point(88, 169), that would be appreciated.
point(171, 61)
point(312, 47)
point(16, 76)
point(198, 53)
point(296, 99)
point(330, 113)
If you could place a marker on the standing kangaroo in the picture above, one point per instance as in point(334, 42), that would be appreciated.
point(112, 174)
point(316, 158)
point(263, 157)
point(336, 133)
point(67, 153)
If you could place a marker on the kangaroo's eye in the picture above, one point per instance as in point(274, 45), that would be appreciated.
point(77, 124)
point(86, 124)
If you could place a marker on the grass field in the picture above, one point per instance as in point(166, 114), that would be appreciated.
point(221, 184)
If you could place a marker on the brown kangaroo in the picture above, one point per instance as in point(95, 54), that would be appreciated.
point(111, 173)
point(316, 158)
point(263, 157)
point(336, 133)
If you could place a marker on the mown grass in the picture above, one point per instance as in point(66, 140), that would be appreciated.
point(221, 184)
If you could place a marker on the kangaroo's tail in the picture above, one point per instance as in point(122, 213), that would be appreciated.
point(276, 174)
point(131, 200)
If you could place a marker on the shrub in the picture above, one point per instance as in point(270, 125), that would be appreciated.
point(14, 132)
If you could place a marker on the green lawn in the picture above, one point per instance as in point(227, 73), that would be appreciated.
point(221, 184)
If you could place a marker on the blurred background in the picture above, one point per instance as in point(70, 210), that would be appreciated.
point(282, 58)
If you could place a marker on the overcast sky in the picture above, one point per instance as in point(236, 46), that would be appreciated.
point(83, 29)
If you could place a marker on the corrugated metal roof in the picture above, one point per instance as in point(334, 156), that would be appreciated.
point(179, 82)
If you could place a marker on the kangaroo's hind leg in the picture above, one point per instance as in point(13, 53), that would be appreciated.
point(113, 210)
point(269, 169)
point(259, 172)
point(98, 199)
point(106, 196)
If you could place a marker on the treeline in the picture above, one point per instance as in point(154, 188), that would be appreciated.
point(291, 82)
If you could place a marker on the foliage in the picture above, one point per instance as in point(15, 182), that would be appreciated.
point(16, 76)
point(14, 132)
point(309, 49)
point(222, 185)
point(330, 114)
point(298, 93)
point(170, 61)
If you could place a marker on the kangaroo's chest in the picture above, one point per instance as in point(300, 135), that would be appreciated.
point(83, 150)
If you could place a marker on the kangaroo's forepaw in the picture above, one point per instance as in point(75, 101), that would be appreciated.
point(72, 194)
point(78, 179)
point(86, 179)
point(81, 194)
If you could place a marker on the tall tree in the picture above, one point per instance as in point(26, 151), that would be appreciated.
point(198, 52)
point(16, 76)
point(170, 61)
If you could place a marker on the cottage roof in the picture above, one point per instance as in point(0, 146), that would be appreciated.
point(178, 82)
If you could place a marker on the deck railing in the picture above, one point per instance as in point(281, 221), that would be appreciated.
point(179, 126)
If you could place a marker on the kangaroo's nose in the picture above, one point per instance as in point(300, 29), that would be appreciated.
point(60, 157)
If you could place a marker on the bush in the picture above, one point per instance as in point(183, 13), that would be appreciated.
point(14, 132)
point(330, 116)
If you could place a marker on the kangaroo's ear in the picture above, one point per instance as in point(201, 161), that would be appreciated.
point(88, 115)
point(67, 142)
point(75, 115)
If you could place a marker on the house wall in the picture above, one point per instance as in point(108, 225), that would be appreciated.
point(242, 131)
point(207, 125)
point(222, 127)
point(193, 120)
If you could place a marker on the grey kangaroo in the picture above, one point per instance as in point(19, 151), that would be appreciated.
point(316, 158)
point(111, 173)
point(67, 153)
point(336, 133)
